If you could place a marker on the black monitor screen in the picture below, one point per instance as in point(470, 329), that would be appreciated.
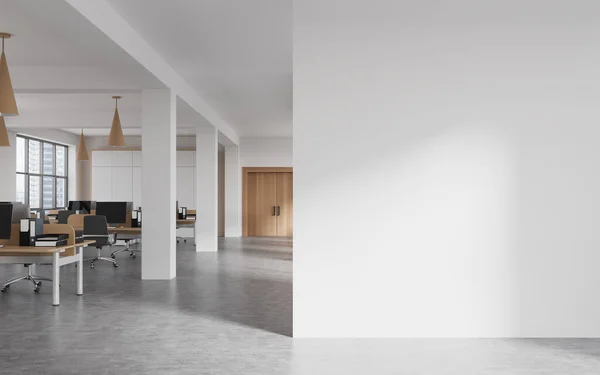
point(115, 212)
point(85, 206)
point(5, 221)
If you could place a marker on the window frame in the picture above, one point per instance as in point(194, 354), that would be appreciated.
point(54, 175)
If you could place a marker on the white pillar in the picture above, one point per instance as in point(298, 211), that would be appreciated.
point(233, 192)
point(158, 184)
point(207, 189)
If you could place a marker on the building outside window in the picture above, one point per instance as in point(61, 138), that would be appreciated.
point(41, 173)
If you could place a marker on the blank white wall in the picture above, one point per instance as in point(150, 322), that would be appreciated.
point(447, 169)
point(266, 152)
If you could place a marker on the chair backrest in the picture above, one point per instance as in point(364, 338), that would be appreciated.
point(63, 216)
point(95, 225)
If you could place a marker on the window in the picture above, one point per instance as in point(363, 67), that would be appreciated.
point(41, 173)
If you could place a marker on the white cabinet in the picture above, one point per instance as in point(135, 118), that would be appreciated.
point(186, 158)
point(102, 158)
point(137, 158)
point(137, 187)
point(101, 183)
point(185, 187)
point(117, 176)
point(121, 184)
point(122, 158)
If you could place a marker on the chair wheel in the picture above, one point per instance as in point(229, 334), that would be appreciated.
point(4, 290)
point(185, 240)
point(36, 289)
point(133, 256)
point(115, 265)
point(92, 266)
point(39, 283)
point(112, 256)
point(177, 241)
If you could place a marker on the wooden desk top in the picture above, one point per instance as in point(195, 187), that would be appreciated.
point(124, 230)
point(34, 250)
point(186, 221)
point(39, 250)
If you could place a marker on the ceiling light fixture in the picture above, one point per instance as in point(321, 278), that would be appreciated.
point(8, 104)
point(115, 139)
point(82, 152)
point(4, 141)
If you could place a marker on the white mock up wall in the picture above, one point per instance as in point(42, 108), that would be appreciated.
point(455, 149)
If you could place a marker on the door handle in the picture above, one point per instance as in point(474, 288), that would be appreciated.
point(278, 210)
point(274, 212)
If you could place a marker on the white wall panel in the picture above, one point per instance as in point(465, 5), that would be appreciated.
point(102, 158)
point(185, 186)
point(122, 184)
point(137, 158)
point(185, 158)
point(101, 183)
point(122, 159)
point(137, 187)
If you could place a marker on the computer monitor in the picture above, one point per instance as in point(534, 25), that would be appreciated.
point(5, 221)
point(85, 206)
point(115, 212)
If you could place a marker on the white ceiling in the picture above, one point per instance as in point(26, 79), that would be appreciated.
point(55, 48)
point(235, 53)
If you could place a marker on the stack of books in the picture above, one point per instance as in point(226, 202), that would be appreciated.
point(51, 240)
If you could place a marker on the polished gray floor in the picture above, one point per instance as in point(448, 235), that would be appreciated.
point(229, 313)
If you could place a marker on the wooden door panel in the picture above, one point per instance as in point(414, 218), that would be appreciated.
point(262, 198)
point(285, 203)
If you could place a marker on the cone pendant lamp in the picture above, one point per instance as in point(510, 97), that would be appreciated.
point(8, 104)
point(4, 141)
point(115, 139)
point(82, 152)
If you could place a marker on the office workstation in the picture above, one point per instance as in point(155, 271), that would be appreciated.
point(15, 249)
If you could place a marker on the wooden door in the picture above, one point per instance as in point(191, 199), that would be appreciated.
point(262, 203)
point(285, 203)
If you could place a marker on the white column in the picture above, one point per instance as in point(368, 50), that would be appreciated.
point(158, 184)
point(207, 212)
point(233, 192)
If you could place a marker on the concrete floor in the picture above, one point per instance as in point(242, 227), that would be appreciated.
point(229, 313)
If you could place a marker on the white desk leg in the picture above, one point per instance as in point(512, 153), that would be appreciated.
point(80, 271)
point(55, 279)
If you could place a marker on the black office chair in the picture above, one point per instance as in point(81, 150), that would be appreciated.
point(63, 216)
point(96, 229)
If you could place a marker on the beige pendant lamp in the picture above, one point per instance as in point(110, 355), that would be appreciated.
point(8, 104)
point(82, 152)
point(115, 138)
point(4, 141)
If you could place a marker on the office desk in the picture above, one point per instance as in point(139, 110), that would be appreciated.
point(125, 230)
point(11, 254)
